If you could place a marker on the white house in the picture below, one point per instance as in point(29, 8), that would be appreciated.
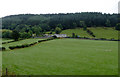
point(60, 35)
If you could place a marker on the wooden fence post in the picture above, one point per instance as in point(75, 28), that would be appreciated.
point(6, 71)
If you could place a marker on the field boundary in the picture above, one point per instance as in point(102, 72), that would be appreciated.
point(28, 45)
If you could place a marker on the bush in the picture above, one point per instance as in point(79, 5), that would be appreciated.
point(12, 47)
point(93, 35)
point(73, 35)
point(117, 27)
point(86, 38)
point(103, 39)
point(90, 32)
point(57, 30)
point(76, 36)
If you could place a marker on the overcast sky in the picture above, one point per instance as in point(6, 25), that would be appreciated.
point(11, 7)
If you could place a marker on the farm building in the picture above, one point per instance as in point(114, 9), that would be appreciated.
point(58, 35)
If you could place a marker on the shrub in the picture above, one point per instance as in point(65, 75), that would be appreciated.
point(57, 30)
point(117, 27)
point(86, 38)
point(18, 46)
point(73, 35)
point(90, 32)
point(76, 36)
point(12, 47)
point(93, 35)
point(103, 39)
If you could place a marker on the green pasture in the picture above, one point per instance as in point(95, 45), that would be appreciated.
point(79, 31)
point(105, 32)
point(63, 57)
point(99, 32)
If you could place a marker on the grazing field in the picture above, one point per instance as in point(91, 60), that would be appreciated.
point(64, 57)
point(105, 33)
point(99, 32)
point(26, 41)
point(79, 31)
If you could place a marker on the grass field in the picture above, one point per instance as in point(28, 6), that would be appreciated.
point(99, 32)
point(105, 32)
point(78, 31)
point(64, 57)
point(26, 41)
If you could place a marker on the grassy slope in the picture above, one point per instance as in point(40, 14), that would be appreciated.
point(77, 31)
point(64, 57)
point(99, 32)
point(105, 33)
point(26, 41)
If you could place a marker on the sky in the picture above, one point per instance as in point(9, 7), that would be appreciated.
point(11, 7)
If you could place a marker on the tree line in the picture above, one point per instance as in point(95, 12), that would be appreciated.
point(38, 24)
point(64, 21)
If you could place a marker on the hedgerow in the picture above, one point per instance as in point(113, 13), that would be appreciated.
point(22, 46)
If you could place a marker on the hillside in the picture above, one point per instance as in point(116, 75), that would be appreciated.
point(107, 33)
point(79, 31)
point(99, 32)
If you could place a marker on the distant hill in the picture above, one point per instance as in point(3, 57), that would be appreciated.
point(68, 21)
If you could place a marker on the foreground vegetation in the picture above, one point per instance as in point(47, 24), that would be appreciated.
point(64, 57)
